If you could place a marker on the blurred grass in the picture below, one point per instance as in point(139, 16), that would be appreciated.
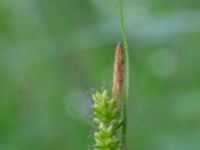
point(53, 52)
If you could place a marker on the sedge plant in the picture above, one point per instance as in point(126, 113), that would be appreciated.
point(110, 112)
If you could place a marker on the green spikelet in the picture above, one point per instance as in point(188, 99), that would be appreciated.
point(106, 118)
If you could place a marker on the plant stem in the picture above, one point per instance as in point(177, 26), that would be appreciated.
point(126, 73)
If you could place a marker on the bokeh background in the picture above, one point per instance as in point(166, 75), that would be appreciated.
point(53, 53)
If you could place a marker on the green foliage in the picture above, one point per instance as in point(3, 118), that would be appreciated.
point(106, 120)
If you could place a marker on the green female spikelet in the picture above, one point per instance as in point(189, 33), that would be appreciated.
point(106, 114)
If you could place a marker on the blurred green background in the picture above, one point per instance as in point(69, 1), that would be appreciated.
point(53, 52)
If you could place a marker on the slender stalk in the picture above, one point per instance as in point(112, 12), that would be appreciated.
point(126, 73)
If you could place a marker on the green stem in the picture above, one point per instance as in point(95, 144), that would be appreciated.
point(126, 73)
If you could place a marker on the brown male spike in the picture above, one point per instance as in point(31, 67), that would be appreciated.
point(118, 71)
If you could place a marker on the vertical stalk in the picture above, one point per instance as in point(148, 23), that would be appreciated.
point(126, 73)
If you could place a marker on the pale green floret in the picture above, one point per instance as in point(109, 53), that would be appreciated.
point(106, 118)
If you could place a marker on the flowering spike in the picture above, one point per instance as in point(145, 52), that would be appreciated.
point(118, 71)
point(106, 117)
